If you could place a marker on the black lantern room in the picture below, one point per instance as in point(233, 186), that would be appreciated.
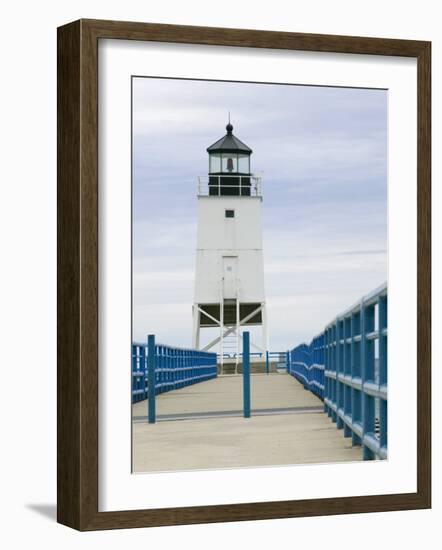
point(229, 166)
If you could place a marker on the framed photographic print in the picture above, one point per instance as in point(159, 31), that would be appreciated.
point(243, 274)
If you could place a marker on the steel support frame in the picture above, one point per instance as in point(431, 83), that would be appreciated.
point(230, 329)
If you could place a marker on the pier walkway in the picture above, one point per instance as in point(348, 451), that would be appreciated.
point(202, 427)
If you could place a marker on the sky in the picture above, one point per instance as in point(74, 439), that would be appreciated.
point(322, 152)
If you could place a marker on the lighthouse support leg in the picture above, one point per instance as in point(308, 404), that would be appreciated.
point(196, 327)
point(237, 332)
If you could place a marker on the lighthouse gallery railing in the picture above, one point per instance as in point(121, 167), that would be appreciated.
point(346, 366)
point(250, 185)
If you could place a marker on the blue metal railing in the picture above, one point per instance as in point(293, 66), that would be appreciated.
point(260, 354)
point(278, 357)
point(346, 366)
point(173, 368)
point(306, 364)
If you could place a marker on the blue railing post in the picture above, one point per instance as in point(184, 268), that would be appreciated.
point(151, 360)
point(347, 375)
point(334, 373)
point(246, 373)
point(356, 415)
point(339, 386)
point(267, 362)
point(142, 366)
point(368, 413)
point(326, 378)
point(383, 379)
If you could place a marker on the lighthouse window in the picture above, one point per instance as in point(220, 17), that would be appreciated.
point(230, 213)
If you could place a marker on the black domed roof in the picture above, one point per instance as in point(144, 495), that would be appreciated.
point(229, 144)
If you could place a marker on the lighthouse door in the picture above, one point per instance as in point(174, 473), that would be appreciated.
point(230, 274)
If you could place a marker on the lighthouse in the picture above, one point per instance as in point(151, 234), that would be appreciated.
point(229, 279)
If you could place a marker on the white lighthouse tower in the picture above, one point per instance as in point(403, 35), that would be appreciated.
point(229, 282)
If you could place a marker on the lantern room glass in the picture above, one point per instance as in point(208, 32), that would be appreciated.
point(244, 164)
point(229, 163)
point(214, 163)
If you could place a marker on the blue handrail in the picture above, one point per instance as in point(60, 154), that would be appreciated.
point(173, 368)
point(346, 366)
point(306, 364)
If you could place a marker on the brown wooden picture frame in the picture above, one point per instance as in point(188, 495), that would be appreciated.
point(77, 225)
